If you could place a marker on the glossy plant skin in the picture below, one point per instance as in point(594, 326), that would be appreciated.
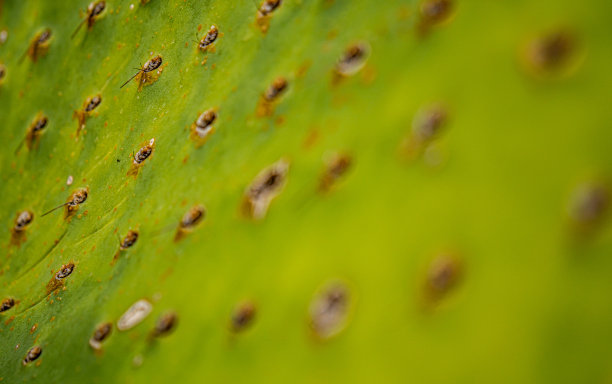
point(443, 217)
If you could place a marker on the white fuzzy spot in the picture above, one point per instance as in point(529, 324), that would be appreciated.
point(329, 310)
point(137, 360)
point(134, 315)
point(95, 344)
point(260, 195)
point(69, 180)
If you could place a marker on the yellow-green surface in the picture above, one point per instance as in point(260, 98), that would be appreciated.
point(534, 302)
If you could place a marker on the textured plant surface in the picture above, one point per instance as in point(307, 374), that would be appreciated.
point(430, 209)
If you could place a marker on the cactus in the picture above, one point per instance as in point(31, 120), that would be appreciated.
point(305, 191)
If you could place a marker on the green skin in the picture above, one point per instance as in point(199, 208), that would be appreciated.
point(532, 303)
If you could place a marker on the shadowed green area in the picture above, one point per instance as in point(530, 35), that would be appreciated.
point(533, 304)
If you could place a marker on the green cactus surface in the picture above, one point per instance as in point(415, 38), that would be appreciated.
point(305, 191)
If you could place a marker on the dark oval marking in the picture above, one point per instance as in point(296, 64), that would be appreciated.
point(149, 66)
point(428, 123)
point(23, 219)
point(78, 197)
point(97, 8)
point(38, 45)
point(144, 153)
point(552, 51)
point(193, 217)
point(278, 87)
point(102, 332)
point(152, 64)
point(93, 10)
point(39, 124)
point(7, 304)
point(34, 131)
point(206, 118)
point(129, 240)
point(33, 354)
point(44, 36)
point(329, 310)
point(243, 316)
point(65, 271)
point(589, 205)
point(435, 11)
point(336, 168)
point(209, 38)
point(269, 6)
point(443, 275)
point(165, 324)
point(266, 186)
point(268, 183)
point(92, 103)
point(203, 126)
point(99, 335)
point(353, 59)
